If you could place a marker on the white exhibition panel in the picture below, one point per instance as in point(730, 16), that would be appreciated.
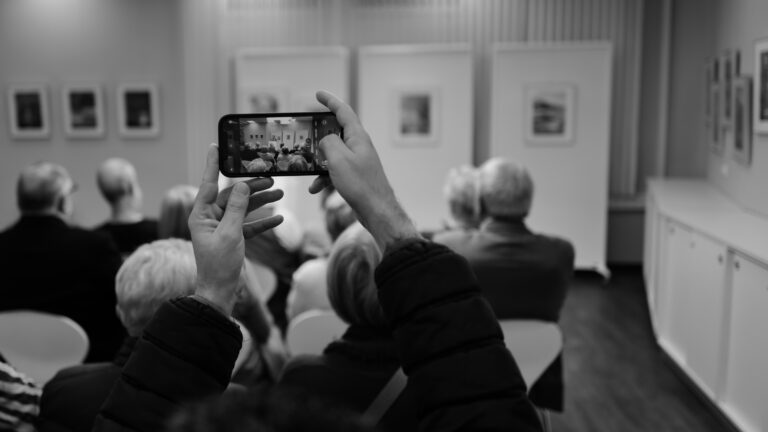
point(570, 173)
point(286, 80)
point(417, 160)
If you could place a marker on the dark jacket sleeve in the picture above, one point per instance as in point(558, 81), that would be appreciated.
point(186, 353)
point(450, 343)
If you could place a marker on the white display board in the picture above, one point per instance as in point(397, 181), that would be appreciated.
point(416, 102)
point(286, 79)
point(550, 111)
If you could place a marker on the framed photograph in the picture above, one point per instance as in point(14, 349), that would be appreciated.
point(28, 111)
point(415, 118)
point(714, 132)
point(729, 69)
point(138, 112)
point(83, 111)
point(549, 113)
point(760, 98)
point(262, 100)
point(742, 119)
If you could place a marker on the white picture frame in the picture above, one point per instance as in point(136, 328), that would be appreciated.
point(549, 114)
point(742, 119)
point(415, 116)
point(28, 113)
point(138, 110)
point(83, 110)
point(760, 95)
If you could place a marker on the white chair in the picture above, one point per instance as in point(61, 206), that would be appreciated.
point(535, 345)
point(311, 331)
point(40, 344)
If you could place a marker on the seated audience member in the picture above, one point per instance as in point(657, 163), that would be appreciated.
point(19, 400)
point(354, 370)
point(462, 191)
point(155, 273)
point(128, 227)
point(256, 166)
point(50, 266)
point(306, 152)
point(283, 160)
point(523, 275)
point(174, 212)
point(463, 376)
point(297, 164)
point(309, 289)
point(267, 155)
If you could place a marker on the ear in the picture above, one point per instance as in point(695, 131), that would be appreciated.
point(120, 315)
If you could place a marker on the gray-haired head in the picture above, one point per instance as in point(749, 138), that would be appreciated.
point(351, 286)
point(462, 191)
point(43, 187)
point(150, 276)
point(117, 180)
point(506, 189)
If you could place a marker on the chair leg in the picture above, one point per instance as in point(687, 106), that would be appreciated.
point(545, 420)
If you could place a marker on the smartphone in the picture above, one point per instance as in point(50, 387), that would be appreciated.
point(275, 144)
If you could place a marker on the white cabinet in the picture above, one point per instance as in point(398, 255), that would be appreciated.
point(705, 310)
point(691, 295)
point(673, 296)
point(745, 395)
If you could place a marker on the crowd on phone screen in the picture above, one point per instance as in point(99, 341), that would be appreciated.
point(274, 157)
point(146, 270)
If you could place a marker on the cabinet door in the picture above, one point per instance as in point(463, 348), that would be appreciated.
point(703, 312)
point(745, 395)
point(674, 287)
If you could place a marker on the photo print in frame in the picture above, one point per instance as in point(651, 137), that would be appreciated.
point(549, 113)
point(83, 110)
point(138, 110)
point(760, 96)
point(742, 120)
point(28, 111)
point(415, 117)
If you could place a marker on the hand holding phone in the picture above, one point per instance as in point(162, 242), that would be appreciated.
point(277, 144)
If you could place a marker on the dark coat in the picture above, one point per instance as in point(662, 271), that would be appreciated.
point(449, 342)
point(352, 372)
point(524, 276)
point(129, 236)
point(71, 399)
point(52, 267)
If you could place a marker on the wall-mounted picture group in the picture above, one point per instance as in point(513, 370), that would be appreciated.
point(82, 111)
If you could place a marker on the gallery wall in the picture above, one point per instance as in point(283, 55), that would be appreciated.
point(740, 23)
point(105, 42)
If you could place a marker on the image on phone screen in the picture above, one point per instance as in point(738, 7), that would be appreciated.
point(252, 145)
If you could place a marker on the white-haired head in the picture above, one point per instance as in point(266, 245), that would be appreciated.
point(462, 191)
point(154, 273)
point(117, 180)
point(506, 189)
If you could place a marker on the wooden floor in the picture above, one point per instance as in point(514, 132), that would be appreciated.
point(616, 378)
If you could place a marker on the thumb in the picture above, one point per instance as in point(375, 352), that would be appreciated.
point(232, 221)
point(333, 148)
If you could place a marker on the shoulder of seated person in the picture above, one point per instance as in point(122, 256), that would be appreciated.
point(79, 371)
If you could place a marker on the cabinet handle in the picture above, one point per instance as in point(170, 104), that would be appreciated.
point(737, 265)
point(720, 259)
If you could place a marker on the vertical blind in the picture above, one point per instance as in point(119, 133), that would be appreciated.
point(480, 23)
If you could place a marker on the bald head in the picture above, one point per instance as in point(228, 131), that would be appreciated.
point(506, 189)
point(42, 186)
point(116, 179)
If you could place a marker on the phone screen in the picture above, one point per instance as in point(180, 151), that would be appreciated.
point(257, 145)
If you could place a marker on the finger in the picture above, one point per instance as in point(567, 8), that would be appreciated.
point(257, 227)
point(344, 113)
point(254, 184)
point(333, 149)
point(209, 188)
point(262, 198)
point(232, 221)
point(319, 183)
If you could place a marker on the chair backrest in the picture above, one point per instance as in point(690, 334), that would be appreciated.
point(534, 344)
point(40, 344)
point(311, 331)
